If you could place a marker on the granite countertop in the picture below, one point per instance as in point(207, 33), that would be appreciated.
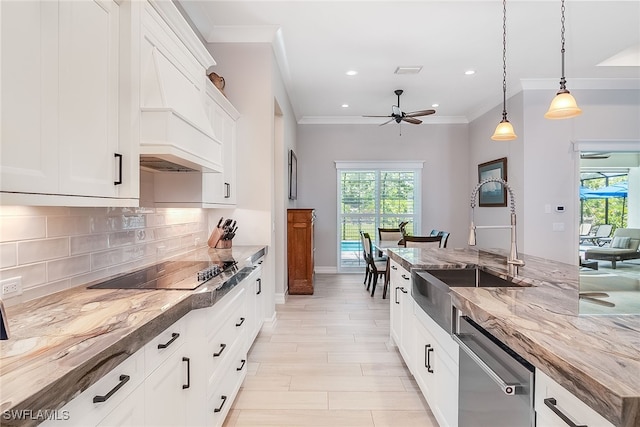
point(62, 343)
point(597, 358)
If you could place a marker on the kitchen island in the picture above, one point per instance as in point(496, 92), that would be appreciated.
point(597, 358)
point(63, 343)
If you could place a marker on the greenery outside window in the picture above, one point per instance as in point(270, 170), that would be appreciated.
point(373, 195)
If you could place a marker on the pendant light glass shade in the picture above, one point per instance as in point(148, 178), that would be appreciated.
point(563, 106)
point(504, 132)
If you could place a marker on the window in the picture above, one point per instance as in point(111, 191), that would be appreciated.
point(373, 195)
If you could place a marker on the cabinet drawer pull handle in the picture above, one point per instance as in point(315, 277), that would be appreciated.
point(174, 336)
point(427, 357)
point(241, 322)
point(259, 286)
point(396, 295)
point(119, 157)
point(123, 380)
point(393, 267)
point(404, 291)
point(551, 403)
point(227, 190)
point(241, 366)
point(405, 277)
point(222, 347)
point(219, 408)
point(188, 384)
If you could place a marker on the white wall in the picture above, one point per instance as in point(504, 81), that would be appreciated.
point(265, 132)
point(542, 164)
point(483, 149)
point(445, 176)
point(550, 163)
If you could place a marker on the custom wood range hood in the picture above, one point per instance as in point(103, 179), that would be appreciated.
point(176, 134)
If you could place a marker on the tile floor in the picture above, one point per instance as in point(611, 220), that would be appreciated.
point(328, 361)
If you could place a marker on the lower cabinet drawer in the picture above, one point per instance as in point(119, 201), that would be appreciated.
point(106, 395)
point(161, 347)
point(225, 387)
point(554, 403)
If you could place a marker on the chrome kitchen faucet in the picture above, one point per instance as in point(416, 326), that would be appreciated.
point(512, 261)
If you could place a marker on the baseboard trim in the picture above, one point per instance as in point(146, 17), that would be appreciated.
point(326, 270)
point(279, 299)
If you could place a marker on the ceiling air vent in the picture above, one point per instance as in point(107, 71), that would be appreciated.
point(408, 69)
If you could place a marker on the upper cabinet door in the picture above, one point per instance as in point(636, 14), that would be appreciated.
point(63, 99)
point(29, 96)
point(88, 99)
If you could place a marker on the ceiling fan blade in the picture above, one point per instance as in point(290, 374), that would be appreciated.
point(376, 116)
point(388, 121)
point(412, 120)
point(420, 113)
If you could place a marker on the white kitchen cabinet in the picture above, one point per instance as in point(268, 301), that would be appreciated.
point(549, 394)
point(436, 368)
point(128, 412)
point(402, 322)
point(111, 394)
point(205, 189)
point(255, 305)
point(167, 385)
point(218, 342)
point(61, 140)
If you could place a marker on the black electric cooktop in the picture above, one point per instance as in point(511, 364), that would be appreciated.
point(179, 275)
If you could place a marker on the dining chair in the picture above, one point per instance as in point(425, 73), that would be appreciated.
point(434, 232)
point(390, 235)
point(422, 241)
point(445, 236)
point(365, 257)
point(377, 267)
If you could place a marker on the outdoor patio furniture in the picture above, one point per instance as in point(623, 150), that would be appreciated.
point(623, 246)
point(601, 236)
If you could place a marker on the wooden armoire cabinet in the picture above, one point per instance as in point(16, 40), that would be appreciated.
point(300, 251)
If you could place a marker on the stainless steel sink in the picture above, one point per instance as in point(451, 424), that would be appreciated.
point(430, 289)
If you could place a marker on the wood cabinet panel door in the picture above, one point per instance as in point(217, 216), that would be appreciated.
point(300, 251)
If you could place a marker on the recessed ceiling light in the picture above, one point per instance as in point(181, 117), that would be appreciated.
point(351, 73)
point(414, 69)
point(470, 72)
point(435, 105)
point(345, 105)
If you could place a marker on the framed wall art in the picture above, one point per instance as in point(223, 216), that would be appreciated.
point(492, 194)
point(293, 175)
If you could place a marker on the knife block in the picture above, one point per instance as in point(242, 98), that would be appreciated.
point(223, 244)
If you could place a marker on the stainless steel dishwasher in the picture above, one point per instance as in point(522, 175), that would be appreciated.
point(495, 384)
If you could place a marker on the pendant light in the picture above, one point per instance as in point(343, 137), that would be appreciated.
point(564, 105)
point(504, 130)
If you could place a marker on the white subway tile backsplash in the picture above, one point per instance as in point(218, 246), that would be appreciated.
point(8, 255)
point(89, 243)
point(122, 239)
point(42, 250)
point(68, 267)
point(31, 274)
point(53, 248)
point(22, 228)
point(67, 226)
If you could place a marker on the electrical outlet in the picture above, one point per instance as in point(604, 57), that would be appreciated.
point(11, 287)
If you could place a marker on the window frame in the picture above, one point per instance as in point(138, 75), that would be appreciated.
point(378, 167)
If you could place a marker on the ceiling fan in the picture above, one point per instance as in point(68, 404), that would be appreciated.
point(398, 115)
